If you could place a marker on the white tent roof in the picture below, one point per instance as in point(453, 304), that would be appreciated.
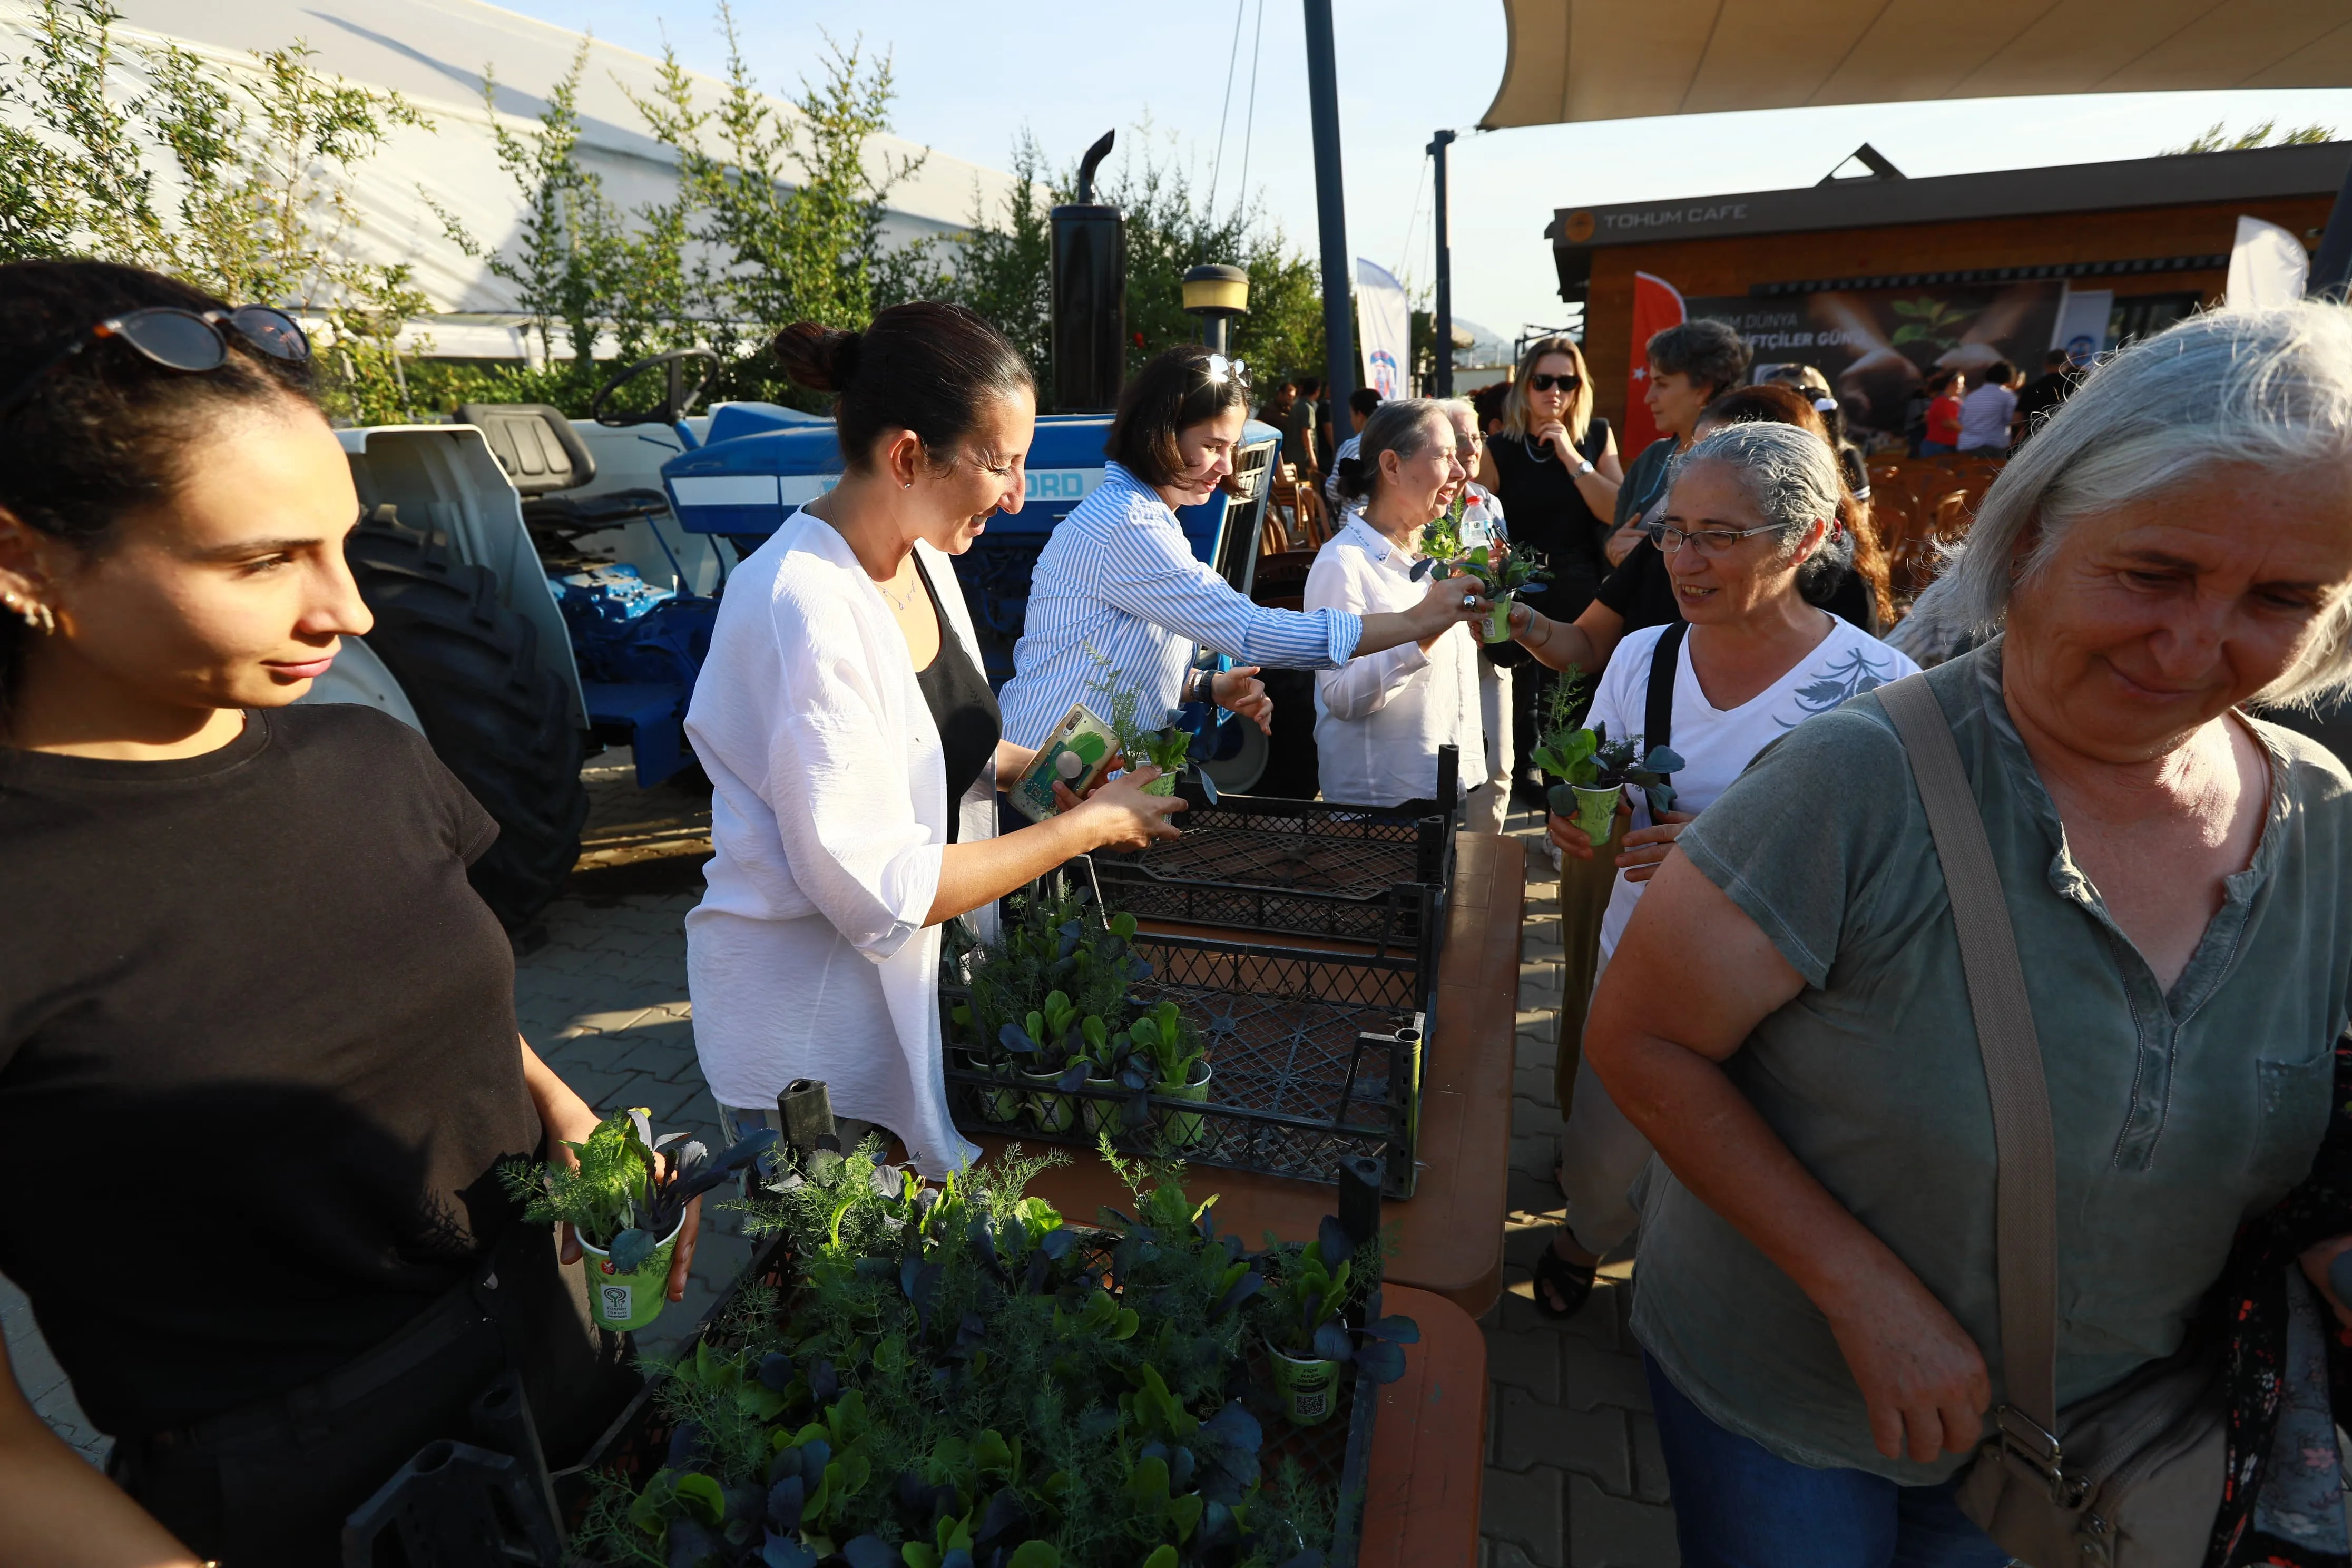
point(433, 53)
point(1614, 59)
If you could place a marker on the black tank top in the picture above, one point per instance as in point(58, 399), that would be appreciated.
point(962, 705)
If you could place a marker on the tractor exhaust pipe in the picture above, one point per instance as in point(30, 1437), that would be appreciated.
point(1089, 284)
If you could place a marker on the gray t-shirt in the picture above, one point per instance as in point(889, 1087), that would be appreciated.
point(2177, 1116)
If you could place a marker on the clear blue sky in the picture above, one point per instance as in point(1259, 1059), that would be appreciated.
point(971, 76)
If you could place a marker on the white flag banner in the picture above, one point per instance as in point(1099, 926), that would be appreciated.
point(2268, 266)
point(1386, 319)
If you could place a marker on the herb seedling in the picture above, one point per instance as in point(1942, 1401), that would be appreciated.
point(619, 1197)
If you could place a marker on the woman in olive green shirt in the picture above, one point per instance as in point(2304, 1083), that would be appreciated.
point(1817, 1288)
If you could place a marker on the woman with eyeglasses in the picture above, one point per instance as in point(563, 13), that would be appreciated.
point(1119, 594)
point(1750, 514)
point(257, 1039)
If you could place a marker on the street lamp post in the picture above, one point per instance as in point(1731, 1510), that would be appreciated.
point(1330, 205)
point(1442, 328)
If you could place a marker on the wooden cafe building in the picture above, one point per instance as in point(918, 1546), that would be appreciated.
point(1875, 277)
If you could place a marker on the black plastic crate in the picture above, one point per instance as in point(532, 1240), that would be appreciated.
point(1294, 868)
point(1317, 1059)
point(1336, 1454)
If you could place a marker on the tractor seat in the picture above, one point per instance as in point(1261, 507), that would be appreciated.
point(585, 514)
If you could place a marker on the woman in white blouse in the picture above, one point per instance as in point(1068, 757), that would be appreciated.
point(1381, 718)
point(853, 748)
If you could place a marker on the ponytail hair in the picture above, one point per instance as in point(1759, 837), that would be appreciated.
point(1405, 425)
point(924, 366)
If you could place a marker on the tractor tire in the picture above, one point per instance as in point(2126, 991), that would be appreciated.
point(1293, 766)
point(502, 724)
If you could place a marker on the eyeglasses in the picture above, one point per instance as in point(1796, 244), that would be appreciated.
point(1710, 540)
point(181, 340)
point(1220, 368)
point(1555, 382)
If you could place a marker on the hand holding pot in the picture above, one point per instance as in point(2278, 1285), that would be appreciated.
point(1645, 847)
point(567, 1249)
point(1450, 601)
point(1572, 840)
point(1120, 815)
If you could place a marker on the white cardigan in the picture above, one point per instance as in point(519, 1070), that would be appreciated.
point(808, 956)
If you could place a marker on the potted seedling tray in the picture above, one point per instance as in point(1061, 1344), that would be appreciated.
point(1317, 1057)
point(1332, 1457)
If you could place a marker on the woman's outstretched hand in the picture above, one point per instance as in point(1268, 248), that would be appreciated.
point(1120, 815)
point(1450, 603)
point(1239, 690)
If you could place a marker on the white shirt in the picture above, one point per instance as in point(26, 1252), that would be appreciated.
point(1716, 743)
point(1984, 417)
point(1118, 579)
point(1379, 719)
point(808, 956)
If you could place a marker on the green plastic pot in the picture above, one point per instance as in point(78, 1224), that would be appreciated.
point(1309, 1390)
point(1498, 619)
point(1166, 782)
point(1003, 1099)
point(1180, 1129)
point(626, 1302)
point(1049, 1108)
point(1594, 810)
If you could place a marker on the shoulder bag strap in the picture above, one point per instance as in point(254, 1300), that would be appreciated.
point(1658, 711)
point(2026, 1204)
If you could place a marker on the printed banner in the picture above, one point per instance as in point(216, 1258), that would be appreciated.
point(1386, 318)
point(1876, 346)
point(1658, 305)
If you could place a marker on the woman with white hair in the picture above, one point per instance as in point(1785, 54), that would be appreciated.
point(1750, 522)
point(1820, 1310)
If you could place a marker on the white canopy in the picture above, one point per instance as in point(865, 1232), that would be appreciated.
point(434, 52)
point(1614, 59)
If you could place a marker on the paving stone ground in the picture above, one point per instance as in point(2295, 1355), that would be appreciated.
point(1573, 1477)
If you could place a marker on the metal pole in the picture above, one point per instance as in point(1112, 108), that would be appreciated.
point(1331, 206)
point(2331, 269)
point(1443, 327)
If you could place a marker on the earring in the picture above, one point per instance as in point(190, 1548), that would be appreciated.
point(48, 621)
point(911, 484)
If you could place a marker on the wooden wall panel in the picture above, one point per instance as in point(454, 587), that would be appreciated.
point(1704, 268)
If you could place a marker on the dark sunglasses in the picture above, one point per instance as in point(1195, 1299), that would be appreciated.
point(181, 340)
point(1555, 382)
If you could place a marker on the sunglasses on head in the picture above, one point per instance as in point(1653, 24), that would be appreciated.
point(1555, 382)
point(181, 340)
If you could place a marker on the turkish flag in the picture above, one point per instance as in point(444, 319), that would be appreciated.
point(1658, 305)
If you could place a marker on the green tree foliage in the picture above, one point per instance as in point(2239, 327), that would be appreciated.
point(2215, 139)
point(237, 180)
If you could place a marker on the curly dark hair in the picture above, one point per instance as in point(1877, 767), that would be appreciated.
point(107, 431)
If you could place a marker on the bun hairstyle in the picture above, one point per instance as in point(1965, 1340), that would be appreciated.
point(1173, 391)
point(924, 366)
point(107, 431)
point(1405, 425)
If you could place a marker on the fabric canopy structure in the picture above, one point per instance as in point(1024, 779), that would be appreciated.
point(1620, 60)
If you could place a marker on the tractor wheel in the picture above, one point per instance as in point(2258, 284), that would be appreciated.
point(1293, 768)
point(497, 720)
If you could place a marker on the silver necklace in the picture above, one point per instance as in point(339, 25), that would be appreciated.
point(902, 605)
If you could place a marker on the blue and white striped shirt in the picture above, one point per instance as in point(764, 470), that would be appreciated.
point(1118, 578)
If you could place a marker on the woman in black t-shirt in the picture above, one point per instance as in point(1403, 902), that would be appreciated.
point(245, 987)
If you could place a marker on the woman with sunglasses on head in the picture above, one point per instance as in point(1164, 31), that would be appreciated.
point(244, 983)
point(1118, 593)
point(1750, 517)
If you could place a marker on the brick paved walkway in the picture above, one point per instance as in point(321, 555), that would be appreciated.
point(1573, 1475)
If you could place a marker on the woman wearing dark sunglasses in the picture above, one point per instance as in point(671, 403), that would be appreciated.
point(245, 988)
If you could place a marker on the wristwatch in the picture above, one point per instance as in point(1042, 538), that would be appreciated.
point(1583, 468)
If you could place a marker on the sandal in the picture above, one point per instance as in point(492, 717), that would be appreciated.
point(1556, 1276)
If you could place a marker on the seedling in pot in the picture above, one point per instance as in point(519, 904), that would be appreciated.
point(1307, 1333)
point(1594, 770)
point(627, 1198)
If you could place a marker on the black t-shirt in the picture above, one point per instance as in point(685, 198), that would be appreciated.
point(1643, 591)
point(257, 1056)
point(1550, 516)
point(962, 707)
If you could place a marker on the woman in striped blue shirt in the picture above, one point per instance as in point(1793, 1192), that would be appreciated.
point(1118, 585)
